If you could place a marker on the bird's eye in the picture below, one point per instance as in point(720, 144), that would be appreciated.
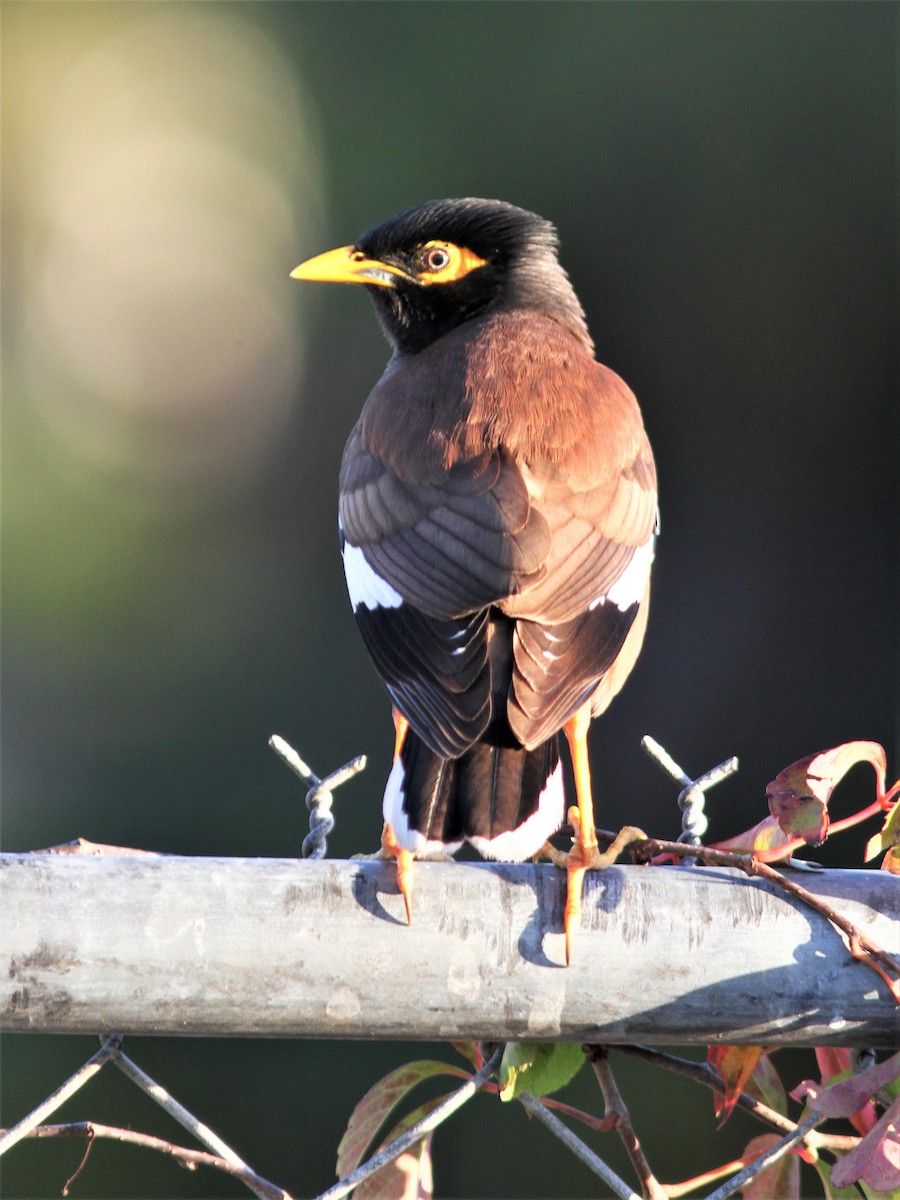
point(443, 262)
point(436, 258)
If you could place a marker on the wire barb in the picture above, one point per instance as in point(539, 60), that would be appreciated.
point(319, 797)
point(692, 797)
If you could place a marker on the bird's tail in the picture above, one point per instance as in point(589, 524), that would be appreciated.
point(502, 798)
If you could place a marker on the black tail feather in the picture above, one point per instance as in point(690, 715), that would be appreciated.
point(502, 798)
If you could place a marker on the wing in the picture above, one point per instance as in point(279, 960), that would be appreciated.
point(534, 492)
point(449, 547)
point(424, 564)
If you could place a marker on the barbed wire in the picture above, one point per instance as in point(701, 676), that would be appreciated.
point(319, 799)
point(692, 797)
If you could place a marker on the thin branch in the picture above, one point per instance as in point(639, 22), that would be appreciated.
point(616, 1109)
point(861, 946)
point(579, 1148)
point(185, 1157)
point(704, 1074)
point(675, 1190)
point(111, 1050)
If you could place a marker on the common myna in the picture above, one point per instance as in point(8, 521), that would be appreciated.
point(497, 520)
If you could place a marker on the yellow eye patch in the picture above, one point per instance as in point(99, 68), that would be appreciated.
point(444, 262)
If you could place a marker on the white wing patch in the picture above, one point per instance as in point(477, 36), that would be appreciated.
point(365, 585)
point(629, 587)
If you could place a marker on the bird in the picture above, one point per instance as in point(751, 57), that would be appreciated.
point(498, 520)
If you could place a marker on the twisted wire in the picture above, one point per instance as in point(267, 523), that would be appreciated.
point(319, 798)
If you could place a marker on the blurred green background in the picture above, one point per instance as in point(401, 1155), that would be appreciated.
point(174, 409)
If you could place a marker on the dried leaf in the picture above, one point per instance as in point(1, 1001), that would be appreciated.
point(537, 1067)
point(876, 1160)
point(798, 796)
point(780, 1181)
point(374, 1108)
point(847, 1097)
point(735, 1064)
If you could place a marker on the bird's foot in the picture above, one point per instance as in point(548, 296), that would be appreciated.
point(585, 855)
point(390, 849)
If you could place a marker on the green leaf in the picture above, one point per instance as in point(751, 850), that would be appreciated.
point(374, 1108)
point(538, 1067)
point(887, 837)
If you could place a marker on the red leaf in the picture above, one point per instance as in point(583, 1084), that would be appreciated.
point(373, 1109)
point(834, 1064)
point(876, 1160)
point(781, 1181)
point(409, 1176)
point(847, 1097)
point(469, 1051)
point(832, 1060)
point(735, 1064)
point(798, 796)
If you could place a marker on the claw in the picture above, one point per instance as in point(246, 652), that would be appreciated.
point(572, 915)
point(585, 856)
point(404, 858)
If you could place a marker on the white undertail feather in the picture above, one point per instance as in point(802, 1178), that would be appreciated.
point(409, 839)
point(514, 845)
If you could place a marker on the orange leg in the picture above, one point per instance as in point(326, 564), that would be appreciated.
point(584, 849)
point(585, 854)
point(389, 847)
point(400, 727)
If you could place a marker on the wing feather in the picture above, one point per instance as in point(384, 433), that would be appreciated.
point(502, 468)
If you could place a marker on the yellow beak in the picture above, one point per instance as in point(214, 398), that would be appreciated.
point(348, 265)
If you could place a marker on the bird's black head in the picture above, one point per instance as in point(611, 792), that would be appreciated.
point(435, 266)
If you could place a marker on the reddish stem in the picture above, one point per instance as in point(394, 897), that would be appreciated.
point(776, 853)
